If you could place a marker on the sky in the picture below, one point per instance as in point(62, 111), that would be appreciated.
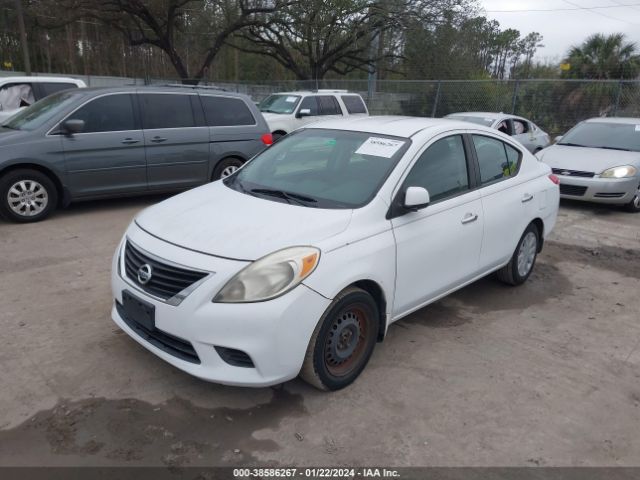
point(568, 22)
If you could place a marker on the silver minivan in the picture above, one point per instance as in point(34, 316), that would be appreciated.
point(95, 143)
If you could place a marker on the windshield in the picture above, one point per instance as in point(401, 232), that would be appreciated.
point(40, 112)
point(321, 168)
point(279, 104)
point(487, 122)
point(616, 136)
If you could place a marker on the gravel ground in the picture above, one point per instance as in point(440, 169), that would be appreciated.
point(545, 374)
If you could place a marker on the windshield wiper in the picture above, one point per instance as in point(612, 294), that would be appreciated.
point(10, 128)
point(266, 110)
point(288, 196)
point(573, 145)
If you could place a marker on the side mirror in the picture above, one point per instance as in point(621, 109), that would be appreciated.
point(72, 126)
point(304, 112)
point(416, 198)
point(558, 138)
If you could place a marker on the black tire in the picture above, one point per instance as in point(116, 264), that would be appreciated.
point(510, 273)
point(45, 194)
point(634, 205)
point(224, 166)
point(329, 363)
point(277, 136)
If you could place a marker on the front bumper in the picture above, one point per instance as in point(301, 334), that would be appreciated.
point(618, 191)
point(274, 334)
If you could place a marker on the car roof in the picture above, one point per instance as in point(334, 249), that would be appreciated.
point(158, 89)
point(621, 120)
point(396, 126)
point(492, 115)
point(40, 79)
point(317, 92)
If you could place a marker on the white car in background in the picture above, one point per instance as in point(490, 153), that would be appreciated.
point(525, 131)
point(20, 92)
point(598, 160)
point(288, 111)
point(327, 237)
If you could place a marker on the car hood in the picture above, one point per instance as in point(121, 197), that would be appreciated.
point(12, 137)
point(218, 220)
point(275, 117)
point(587, 159)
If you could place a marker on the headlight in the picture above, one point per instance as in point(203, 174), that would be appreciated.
point(271, 276)
point(625, 171)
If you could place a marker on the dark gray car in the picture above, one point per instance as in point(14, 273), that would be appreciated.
point(96, 143)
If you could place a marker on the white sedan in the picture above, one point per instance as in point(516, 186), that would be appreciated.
point(300, 261)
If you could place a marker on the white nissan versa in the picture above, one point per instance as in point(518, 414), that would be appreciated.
point(300, 261)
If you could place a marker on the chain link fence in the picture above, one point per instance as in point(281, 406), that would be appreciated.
point(555, 105)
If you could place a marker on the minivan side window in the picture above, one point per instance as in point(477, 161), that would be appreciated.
point(47, 88)
point(311, 103)
point(329, 105)
point(354, 104)
point(166, 110)
point(226, 111)
point(441, 169)
point(496, 159)
point(111, 113)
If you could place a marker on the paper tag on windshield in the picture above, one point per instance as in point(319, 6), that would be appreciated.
point(380, 147)
point(290, 99)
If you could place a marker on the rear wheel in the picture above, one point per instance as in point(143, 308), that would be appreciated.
point(226, 167)
point(27, 196)
point(519, 268)
point(634, 205)
point(343, 341)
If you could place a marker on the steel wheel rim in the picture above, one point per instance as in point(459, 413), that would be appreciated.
point(231, 169)
point(346, 341)
point(27, 198)
point(527, 253)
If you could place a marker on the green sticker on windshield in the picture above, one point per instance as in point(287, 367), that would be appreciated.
point(331, 143)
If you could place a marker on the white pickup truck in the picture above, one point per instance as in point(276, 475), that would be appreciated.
point(288, 111)
point(20, 92)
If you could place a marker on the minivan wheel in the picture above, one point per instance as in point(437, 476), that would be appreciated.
point(519, 268)
point(634, 205)
point(226, 167)
point(27, 196)
point(342, 342)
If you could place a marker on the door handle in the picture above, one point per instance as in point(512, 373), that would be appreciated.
point(157, 139)
point(129, 141)
point(469, 217)
point(527, 197)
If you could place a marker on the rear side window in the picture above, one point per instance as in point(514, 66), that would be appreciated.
point(329, 105)
point(226, 111)
point(497, 160)
point(166, 111)
point(520, 127)
point(111, 113)
point(310, 103)
point(354, 104)
point(47, 89)
point(441, 169)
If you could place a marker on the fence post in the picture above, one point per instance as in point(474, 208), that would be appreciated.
point(436, 100)
point(618, 94)
point(516, 88)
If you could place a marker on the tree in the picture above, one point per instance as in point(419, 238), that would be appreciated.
point(315, 37)
point(604, 57)
point(170, 24)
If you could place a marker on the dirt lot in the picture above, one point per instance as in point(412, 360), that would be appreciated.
point(545, 374)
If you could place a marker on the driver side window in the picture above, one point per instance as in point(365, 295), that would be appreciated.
point(441, 169)
point(111, 113)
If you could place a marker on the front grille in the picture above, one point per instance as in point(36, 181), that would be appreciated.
point(573, 173)
point(173, 345)
point(166, 280)
point(234, 357)
point(573, 190)
point(609, 195)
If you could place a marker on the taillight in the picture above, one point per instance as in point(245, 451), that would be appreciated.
point(267, 139)
point(554, 179)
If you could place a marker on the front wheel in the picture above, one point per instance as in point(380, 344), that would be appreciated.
point(634, 205)
point(226, 167)
point(27, 196)
point(519, 268)
point(343, 341)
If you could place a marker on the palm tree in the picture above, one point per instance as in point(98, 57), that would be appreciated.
point(604, 57)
